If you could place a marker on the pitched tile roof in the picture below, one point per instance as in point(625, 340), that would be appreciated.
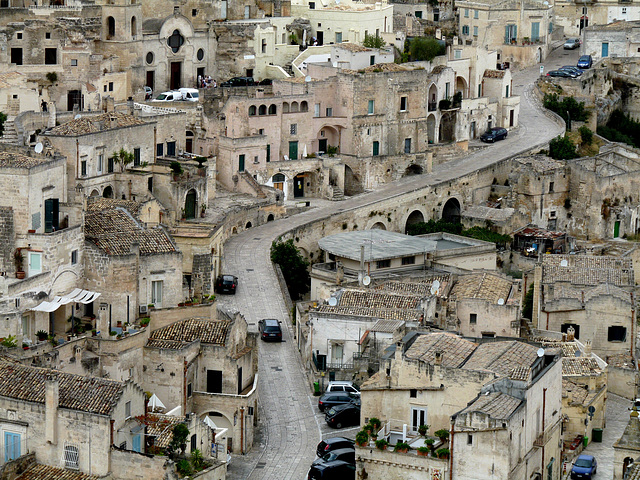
point(46, 472)
point(99, 204)
point(207, 331)
point(496, 405)
point(114, 230)
point(387, 326)
point(504, 358)
point(95, 123)
point(75, 392)
point(589, 293)
point(374, 299)
point(18, 160)
point(169, 344)
point(421, 287)
point(493, 73)
point(633, 470)
point(371, 313)
point(621, 360)
point(576, 393)
point(588, 270)
point(580, 367)
point(160, 427)
point(486, 286)
point(453, 348)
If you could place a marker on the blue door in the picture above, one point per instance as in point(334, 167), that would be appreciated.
point(605, 49)
point(11, 446)
point(136, 443)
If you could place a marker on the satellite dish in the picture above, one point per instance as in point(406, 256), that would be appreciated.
point(436, 284)
point(434, 290)
point(333, 301)
point(77, 116)
point(38, 147)
point(307, 78)
point(564, 263)
point(541, 352)
point(501, 301)
point(366, 280)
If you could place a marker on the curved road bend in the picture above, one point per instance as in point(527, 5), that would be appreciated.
point(290, 428)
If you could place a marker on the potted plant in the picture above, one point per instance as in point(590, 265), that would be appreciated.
point(401, 447)
point(443, 453)
point(430, 442)
point(19, 260)
point(422, 430)
point(151, 306)
point(176, 168)
point(144, 322)
point(368, 428)
point(382, 444)
point(93, 332)
point(375, 423)
point(42, 335)
point(25, 346)
point(113, 333)
point(423, 451)
point(442, 434)
point(362, 438)
point(203, 209)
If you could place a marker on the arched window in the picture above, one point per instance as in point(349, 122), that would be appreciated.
point(111, 28)
point(262, 110)
point(252, 110)
point(304, 107)
point(294, 107)
point(272, 109)
point(134, 27)
point(285, 107)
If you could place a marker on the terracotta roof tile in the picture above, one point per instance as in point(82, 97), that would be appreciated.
point(486, 286)
point(493, 73)
point(387, 326)
point(374, 299)
point(18, 160)
point(373, 313)
point(503, 358)
point(95, 123)
point(99, 204)
point(588, 270)
point(496, 405)
point(160, 427)
point(421, 288)
point(88, 394)
point(621, 360)
point(454, 349)
point(577, 293)
point(212, 332)
point(580, 367)
point(46, 472)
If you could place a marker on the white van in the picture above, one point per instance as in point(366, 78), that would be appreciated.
point(168, 97)
point(190, 94)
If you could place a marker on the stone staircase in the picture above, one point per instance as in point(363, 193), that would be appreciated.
point(254, 185)
point(338, 194)
point(288, 68)
point(10, 135)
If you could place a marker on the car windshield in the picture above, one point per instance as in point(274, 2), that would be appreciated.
point(332, 411)
point(162, 96)
point(195, 94)
point(227, 280)
point(583, 463)
point(271, 328)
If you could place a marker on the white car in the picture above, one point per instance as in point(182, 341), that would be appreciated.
point(189, 94)
point(338, 386)
point(168, 97)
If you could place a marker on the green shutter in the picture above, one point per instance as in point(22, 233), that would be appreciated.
point(506, 34)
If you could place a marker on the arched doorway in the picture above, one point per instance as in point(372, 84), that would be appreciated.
point(190, 205)
point(278, 181)
point(461, 86)
point(413, 169)
point(352, 184)
point(378, 226)
point(189, 142)
point(431, 129)
point(133, 27)
point(432, 105)
point(447, 126)
point(95, 193)
point(415, 217)
point(328, 136)
point(451, 211)
point(111, 28)
point(270, 218)
point(107, 192)
point(248, 225)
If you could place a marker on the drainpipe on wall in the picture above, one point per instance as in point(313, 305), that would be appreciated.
point(544, 405)
point(633, 320)
point(155, 144)
point(451, 434)
point(242, 430)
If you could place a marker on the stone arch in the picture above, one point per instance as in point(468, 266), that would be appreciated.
point(329, 133)
point(352, 183)
point(111, 28)
point(285, 107)
point(432, 104)
point(134, 26)
point(451, 211)
point(262, 110)
point(461, 86)
point(295, 107)
point(626, 463)
point(414, 217)
point(95, 193)
point(248, 225)
point(412, 169)
point(252, 110)
point(270, 218)
point(108, 192)
point(234, 230)
point(378, 226)
point(305, 184)
point(273, 109)
point(446, 129)
point(431, 128)
point(304, 106)
point(190, 204)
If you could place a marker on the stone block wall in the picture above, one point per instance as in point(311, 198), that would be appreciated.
point(7, 239)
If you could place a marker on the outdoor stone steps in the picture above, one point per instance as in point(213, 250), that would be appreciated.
point(338, 194)
point(254, 184)
point(10, 134)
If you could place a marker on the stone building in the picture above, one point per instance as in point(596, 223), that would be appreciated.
point(618, 39)
point(206, 366)
point(626, 449)
point(575, 18)
point(440, 380)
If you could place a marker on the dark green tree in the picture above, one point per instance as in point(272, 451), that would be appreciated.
point(425, 48)
point(373, 41)
point(586, 135)
point(3, 118)
point(562, 148)
point(179, 440)
point(527, 307)
point(294, 267)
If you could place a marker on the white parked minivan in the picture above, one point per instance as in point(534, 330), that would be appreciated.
point(190, 94)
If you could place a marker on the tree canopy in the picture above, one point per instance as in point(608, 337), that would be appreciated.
point(294, 267)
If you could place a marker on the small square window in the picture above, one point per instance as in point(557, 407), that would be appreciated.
point(74, 62)
point(329, 111)
point(74, 257)
point(617, 334)
point(111, 86)
point(312, 5)
point(319, 24)
point(19, 35)
point(47, 35)
point(261, 131)
point(469, 439)
point(473, 318)
point(194, 12)
point(408, 260)
point(413, 393)
point(383, 264)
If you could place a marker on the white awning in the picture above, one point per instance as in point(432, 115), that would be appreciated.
point(209, 423)
point(78, 296)
point(154, 402)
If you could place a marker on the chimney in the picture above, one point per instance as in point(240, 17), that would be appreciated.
point(438, 359)
point(51, 398)
point(134, 249)
point(571, 334)
point(587, 348)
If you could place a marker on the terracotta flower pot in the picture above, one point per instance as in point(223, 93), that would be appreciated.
point(21, 275)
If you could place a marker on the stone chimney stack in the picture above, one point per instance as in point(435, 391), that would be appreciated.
point(587, 348)
point(438, 359)
point(51, 399)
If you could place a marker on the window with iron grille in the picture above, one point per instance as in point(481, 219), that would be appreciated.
point(71, 456)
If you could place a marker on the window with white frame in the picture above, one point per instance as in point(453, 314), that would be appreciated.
point(418, 417)
point(127, 410)
point(293, 130)
point(475, 31)
point(465, 30)
point(156, 292)
point(100, 161)
point(71, 456)
point(370, 107)
point(457, 54)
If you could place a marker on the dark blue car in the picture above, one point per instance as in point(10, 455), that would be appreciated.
point(585, 61)
point(584, 467)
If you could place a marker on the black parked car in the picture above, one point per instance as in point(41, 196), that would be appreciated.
point(335, 470)
point(561, 73)
point(571, 68)
point(494, 134)
point(343, 415)
point(334, 443)
point(239, 82)
point(331, 399)
point(269, 329)
point(226, 284)
point(345, 454)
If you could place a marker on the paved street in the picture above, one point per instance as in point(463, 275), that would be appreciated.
point(291, 425)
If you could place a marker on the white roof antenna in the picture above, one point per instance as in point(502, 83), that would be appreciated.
point(38, 148)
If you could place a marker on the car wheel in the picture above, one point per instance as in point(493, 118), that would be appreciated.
point(339, 425)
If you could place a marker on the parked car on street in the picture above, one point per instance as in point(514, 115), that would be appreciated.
point(189, 94)
point(168, 97)
point(269, 329)
point(585, 61)
point(148, 93)
point(571, 68)
point(585, 467)
point(343, 415)
point(572, 43)
point(226, 284)
point(334, 443)
point(494, 134)
point(239, 82)
point(340, 386)
point(331, 399)
point(561, 73)
point(345, 454)
point(336, 470)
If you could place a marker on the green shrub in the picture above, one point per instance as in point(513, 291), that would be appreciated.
point(373, 41)
point(184, 467)
point(586, 135)
point(381, 444)
point(442, 434)
point(562, 148)
point(568, 107)
point(176, 167)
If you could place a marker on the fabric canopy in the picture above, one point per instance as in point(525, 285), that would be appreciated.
point(78, 296)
